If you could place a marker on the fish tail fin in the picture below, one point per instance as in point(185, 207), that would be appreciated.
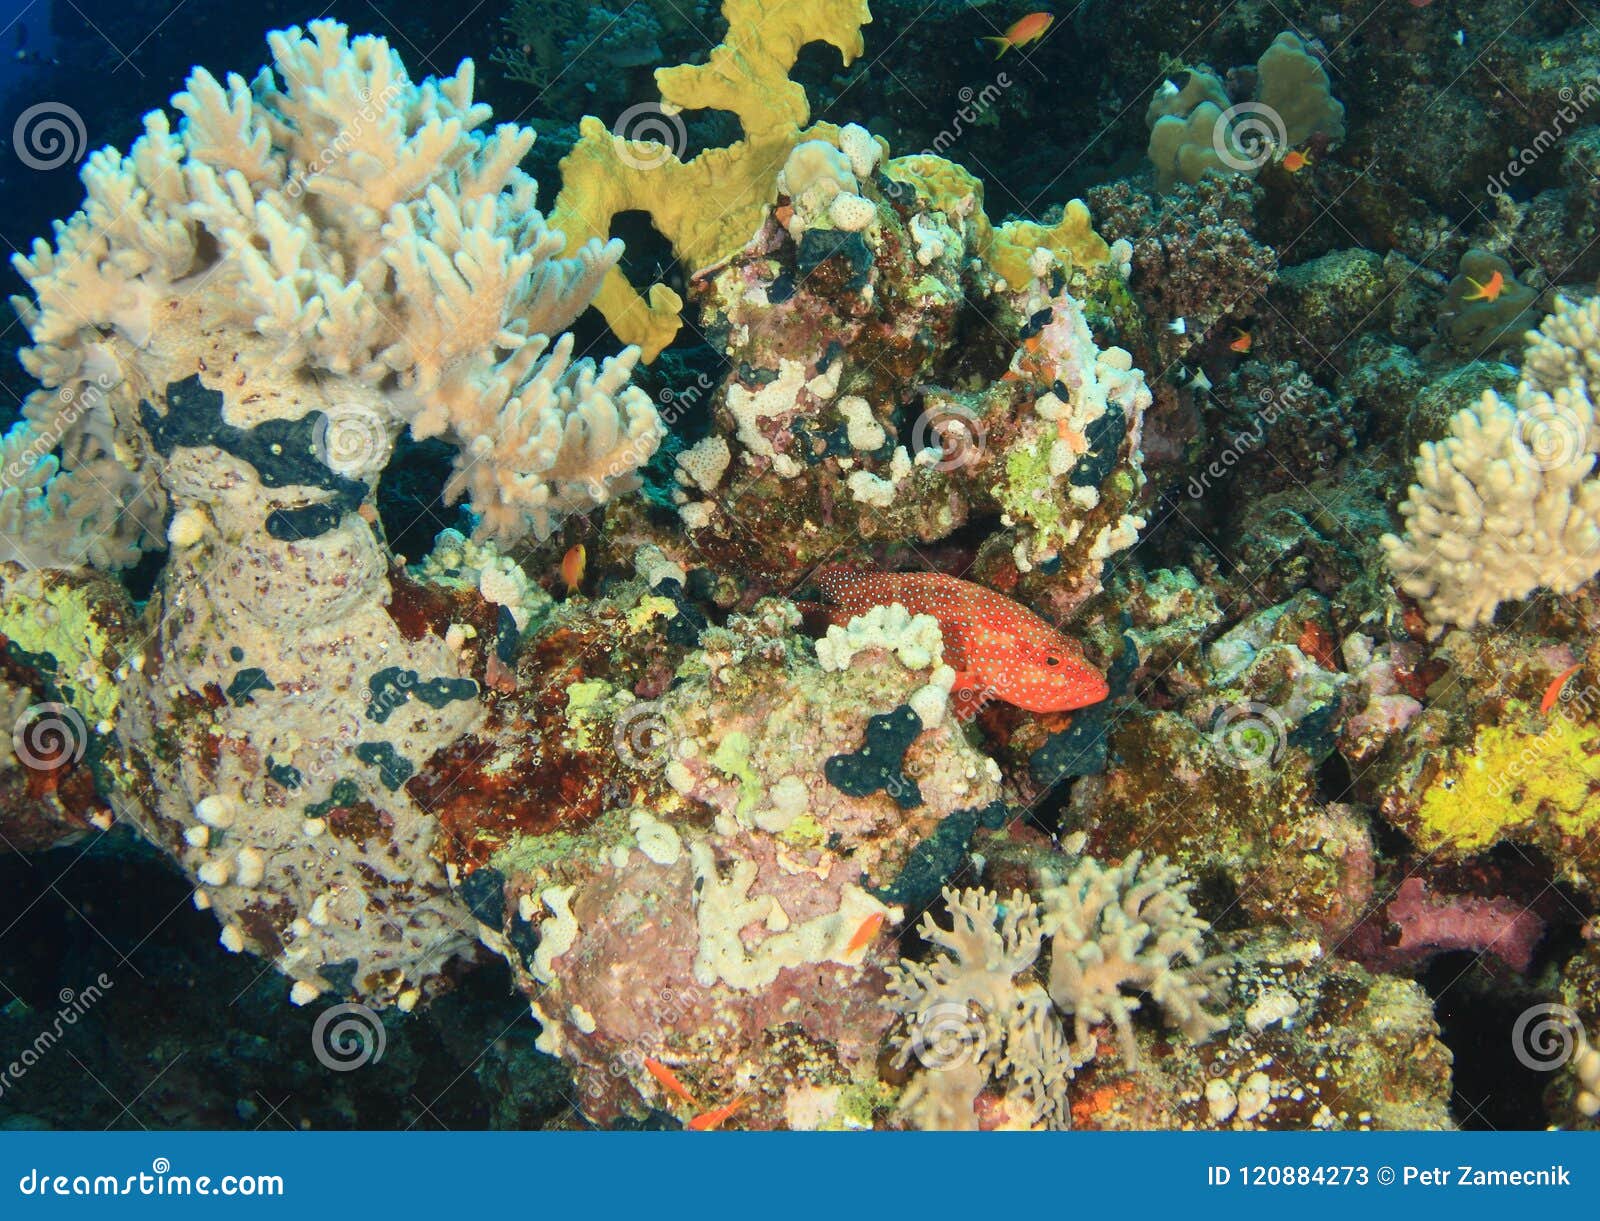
point(1002, 45)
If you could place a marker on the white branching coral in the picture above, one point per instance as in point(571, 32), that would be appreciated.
point(1508, 503)
point(978, 1013)
point(1119, 932)
point(345, 240)
point(982, 1013)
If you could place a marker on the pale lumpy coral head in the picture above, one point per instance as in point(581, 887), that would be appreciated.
point(330, 224)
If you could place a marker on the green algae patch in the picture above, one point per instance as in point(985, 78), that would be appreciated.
point(538, 854)
point(804, 832)
point(732, 758)
point(651, 606)
point(583, 708)
point(59, 624)
point(1028, 493)
point(1510, 779)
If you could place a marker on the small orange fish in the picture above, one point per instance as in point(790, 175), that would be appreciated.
point(1552, 693)
point(572, 566)
point(1294, 161)
point(1023, 31)
point(868, 930)
point(1490, 290)
point(997, 647)
point(709, 1121)
point(669, 1080)
point(1241, 341)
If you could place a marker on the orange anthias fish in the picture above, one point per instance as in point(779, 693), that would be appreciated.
point(1489, 290)
point(709, 1121)
point(1241, 341)
point(995, 645)
point(868, 930)
point(572, 566)
point(1294, 161)
point(668, 1080)
point(1023, 31)
point(1552, 693)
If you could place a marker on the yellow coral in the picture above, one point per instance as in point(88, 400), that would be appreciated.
point(55, 619)
point(711, 205)
point(1513, 780)
point(1009, 248)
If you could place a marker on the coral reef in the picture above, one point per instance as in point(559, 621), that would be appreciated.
point(913, 656)
point(1198, 129)
point(245, 313)
point(1131, 927)
point(709, 205)
point(1506, 503)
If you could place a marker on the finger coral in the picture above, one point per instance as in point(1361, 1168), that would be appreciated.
point(1508, 503)
point(354, 231)
point(243, 316)
point(980, 1012)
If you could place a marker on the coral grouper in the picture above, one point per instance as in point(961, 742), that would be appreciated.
point(996, 646)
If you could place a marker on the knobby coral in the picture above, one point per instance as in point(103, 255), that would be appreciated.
point(1198, 129)
point(1508, 502)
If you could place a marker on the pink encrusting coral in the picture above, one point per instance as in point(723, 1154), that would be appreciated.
point(1417, 923)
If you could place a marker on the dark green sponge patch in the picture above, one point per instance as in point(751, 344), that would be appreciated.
point(394, 769)
point(283, 774)
point(284, 453)
point(877, 766)
point(246, 683)
point(392, 686)
point(344, 793)
point(935, 860)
